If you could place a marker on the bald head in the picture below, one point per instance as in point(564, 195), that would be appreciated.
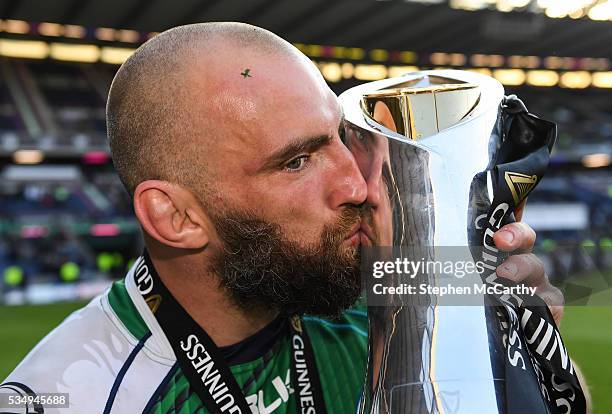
point(166, 103)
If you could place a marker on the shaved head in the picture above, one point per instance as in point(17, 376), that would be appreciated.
point(163, 106)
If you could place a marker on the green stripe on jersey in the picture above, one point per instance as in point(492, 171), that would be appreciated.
point(125, 310)
point(340, 348)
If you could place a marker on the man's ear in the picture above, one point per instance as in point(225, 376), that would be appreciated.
point(171, 215)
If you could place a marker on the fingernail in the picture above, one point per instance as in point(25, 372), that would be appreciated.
point(506, 236)
point(507, 270)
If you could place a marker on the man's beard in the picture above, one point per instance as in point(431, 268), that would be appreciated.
point(261, 269)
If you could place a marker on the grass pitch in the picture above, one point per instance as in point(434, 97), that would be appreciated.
point(587, 332)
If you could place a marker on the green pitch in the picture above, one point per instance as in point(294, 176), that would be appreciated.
point(23, 326)
point(587, 332)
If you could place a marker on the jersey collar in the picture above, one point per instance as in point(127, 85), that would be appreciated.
point(158, 342)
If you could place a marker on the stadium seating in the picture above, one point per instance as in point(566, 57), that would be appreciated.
point(79, 225)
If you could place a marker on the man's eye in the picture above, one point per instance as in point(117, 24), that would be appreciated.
point(297, 164)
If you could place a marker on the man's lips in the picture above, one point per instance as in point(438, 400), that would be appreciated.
point(354, 234)
point(361, 233)
point(367, 232)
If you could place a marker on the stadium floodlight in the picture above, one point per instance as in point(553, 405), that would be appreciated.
point(458, 59)
point(408, 57)
point(557, 62)
point(16, 26)
point(595, 63)
point(602, 11)
point(470, 4)
point(560, 9)
point(314, 50)
point(575, 79)
point(396, 71)
point(348, 69)
point(105, 33)
point(509, 5)
point(438, 58)
point(529, 62)
point(115, 55)
point(28, 156)
point(428, 1)
point(370, 72)
point(75, 52)
point(379, 55)
point(594, 9)
point(356, 53)
point(542, 78)
point(453, 59)
point(602, 79)
point(128, 36)
point(331, 71)
point(556, 9)
point(74, 31)
point(50, 29)
point(27, 49)
point(338, 52)
point(532, 62)
point(596, 160)
point(487, 60)
point(518, 3)
point(510, 77)
point(496, 60)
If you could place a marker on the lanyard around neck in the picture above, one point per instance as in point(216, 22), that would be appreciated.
point(202, 362)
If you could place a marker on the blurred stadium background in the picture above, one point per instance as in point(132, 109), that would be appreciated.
point(66, 225)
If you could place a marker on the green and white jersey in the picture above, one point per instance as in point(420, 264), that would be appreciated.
point(112, 357)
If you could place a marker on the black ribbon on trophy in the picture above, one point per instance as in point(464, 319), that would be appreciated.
point(536, 358)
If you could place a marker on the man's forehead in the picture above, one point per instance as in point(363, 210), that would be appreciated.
point(272, 96)
point(246, 83)
point(258, 105)
point(269, 142)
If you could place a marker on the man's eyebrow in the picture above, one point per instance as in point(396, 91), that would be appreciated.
point(295, 147)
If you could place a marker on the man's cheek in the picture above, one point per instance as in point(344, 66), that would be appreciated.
point(303, 235)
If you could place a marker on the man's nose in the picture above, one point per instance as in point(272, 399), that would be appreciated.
point(349, 184)
point(373, 179)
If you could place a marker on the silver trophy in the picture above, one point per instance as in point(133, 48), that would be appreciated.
point(427, 144)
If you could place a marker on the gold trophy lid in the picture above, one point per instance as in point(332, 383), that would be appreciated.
point(423, 106)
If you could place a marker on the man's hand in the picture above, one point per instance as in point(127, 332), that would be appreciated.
point(525, 267)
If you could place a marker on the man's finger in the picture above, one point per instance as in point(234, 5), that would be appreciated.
point(553, 297)
point(515, 236)
point(529, 270)
point(523, 268)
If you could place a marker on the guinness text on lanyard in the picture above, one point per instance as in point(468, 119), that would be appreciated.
point(202, 362)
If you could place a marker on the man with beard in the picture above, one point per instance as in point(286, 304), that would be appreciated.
point(231, 145)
